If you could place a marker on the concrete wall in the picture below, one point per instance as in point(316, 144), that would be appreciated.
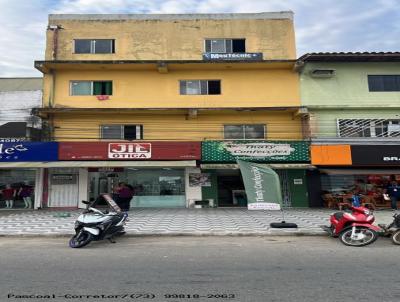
point(175, 125)
point(349, 87)
point(172, 37)
point(16, 106)
point(151, 89)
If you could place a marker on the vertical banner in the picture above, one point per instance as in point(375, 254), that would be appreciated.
point(262, 186)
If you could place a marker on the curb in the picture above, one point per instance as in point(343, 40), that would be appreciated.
point(180, 234)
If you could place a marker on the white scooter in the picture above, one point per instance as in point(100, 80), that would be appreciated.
point(93, 224)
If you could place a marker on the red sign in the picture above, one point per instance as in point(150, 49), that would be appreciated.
point(129, 151)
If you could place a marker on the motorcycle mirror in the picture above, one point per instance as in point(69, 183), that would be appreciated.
point(85, 202)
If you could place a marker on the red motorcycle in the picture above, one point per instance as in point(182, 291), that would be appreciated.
point(354, 228)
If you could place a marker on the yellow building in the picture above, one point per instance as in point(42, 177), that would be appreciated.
point(170, 78)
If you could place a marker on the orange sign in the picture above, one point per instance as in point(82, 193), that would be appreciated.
point(331, 155)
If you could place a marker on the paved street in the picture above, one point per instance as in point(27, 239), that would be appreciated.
point(179, 222)
point(243, 268)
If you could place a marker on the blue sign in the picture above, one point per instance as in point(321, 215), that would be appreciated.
point(28, 151)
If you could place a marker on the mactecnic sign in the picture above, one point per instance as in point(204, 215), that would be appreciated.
point(257, 56)
point(129, 150)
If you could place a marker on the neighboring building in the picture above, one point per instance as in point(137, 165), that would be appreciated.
point(354, 113)
point(17, 98)
point(138, 97)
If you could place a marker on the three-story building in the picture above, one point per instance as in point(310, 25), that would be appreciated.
point(167, 103)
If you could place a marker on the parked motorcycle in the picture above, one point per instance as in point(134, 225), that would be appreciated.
point(93, 224)
point(354, 227)
point(393, 229)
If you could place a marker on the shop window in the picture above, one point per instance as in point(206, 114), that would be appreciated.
point(368, 128)
point(225, 45)
point(91, 88)
point(94, 46)
point(193, 87)
point(121, 132)
point(256, 131)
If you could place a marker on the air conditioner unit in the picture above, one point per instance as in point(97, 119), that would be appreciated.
point(322, 73)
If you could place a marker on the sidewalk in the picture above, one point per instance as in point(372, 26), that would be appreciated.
point(197, 222)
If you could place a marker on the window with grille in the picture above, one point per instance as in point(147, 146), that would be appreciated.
point(368, 128)
point(94, 46)
point(91, 88)
point(192, 87)
point(121, 132)
point(225, 45)
point(256, 131)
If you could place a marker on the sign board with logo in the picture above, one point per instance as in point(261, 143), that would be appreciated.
point(28, 151)
point(381, 155)
point(64, 179)
point(130, 151)
point(258, 151)
point(245, 56)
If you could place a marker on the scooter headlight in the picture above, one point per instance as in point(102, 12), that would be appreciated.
point(367, 212)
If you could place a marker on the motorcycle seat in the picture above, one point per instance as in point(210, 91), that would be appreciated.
point(338, 215)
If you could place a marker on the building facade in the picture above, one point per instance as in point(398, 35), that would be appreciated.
point(134, 86)
point(18, 126)
point(354, 116)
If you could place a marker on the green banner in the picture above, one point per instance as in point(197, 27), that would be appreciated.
point(263, 188)
point(256, 151)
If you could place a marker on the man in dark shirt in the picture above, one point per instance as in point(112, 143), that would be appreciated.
point(393, 190)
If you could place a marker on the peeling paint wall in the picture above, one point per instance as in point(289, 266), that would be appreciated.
point(172, 39)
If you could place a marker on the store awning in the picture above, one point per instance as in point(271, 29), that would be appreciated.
point(273, 166)
point(369, 171)
point(94, 164)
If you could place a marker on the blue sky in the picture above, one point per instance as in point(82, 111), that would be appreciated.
point(321, 25)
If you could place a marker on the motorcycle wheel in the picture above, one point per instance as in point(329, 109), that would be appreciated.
point(369, 237)
point(80, 240)
point(396, 237)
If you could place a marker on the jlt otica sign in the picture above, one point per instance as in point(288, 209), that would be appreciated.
point(129, 150)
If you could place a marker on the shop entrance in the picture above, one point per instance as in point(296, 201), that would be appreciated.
point(231, 192)
point(163, 187)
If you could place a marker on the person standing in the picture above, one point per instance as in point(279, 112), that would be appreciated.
point(8, 195)
point(25, 193)
point(393, 190)
point(125, 195)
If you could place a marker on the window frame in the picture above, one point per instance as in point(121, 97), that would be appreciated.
point(93, 47)
point(122, 132)
point(200, 86)
point(91, 87)
point(224, 39)
point(373, 126)
point(369, 76)
point(244, 131)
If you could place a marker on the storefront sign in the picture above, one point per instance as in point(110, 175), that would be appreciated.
point(247, 56)
point(28, 151)
point(130, 151)
point(331, 155)
point(262, 186)
point(106, 169)
point(200, 180)
point(375, 155)
point(12, 139)
point(64, 179)
point(261, 151)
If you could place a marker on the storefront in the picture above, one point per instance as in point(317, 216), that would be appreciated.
point(344, 170)
point(158, 172)
point(222, 182)
point(22, 174)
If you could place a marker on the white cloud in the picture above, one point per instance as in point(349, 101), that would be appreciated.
point(321, 25)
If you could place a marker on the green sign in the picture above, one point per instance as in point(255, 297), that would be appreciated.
point(257, 151)
point(263, 188)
